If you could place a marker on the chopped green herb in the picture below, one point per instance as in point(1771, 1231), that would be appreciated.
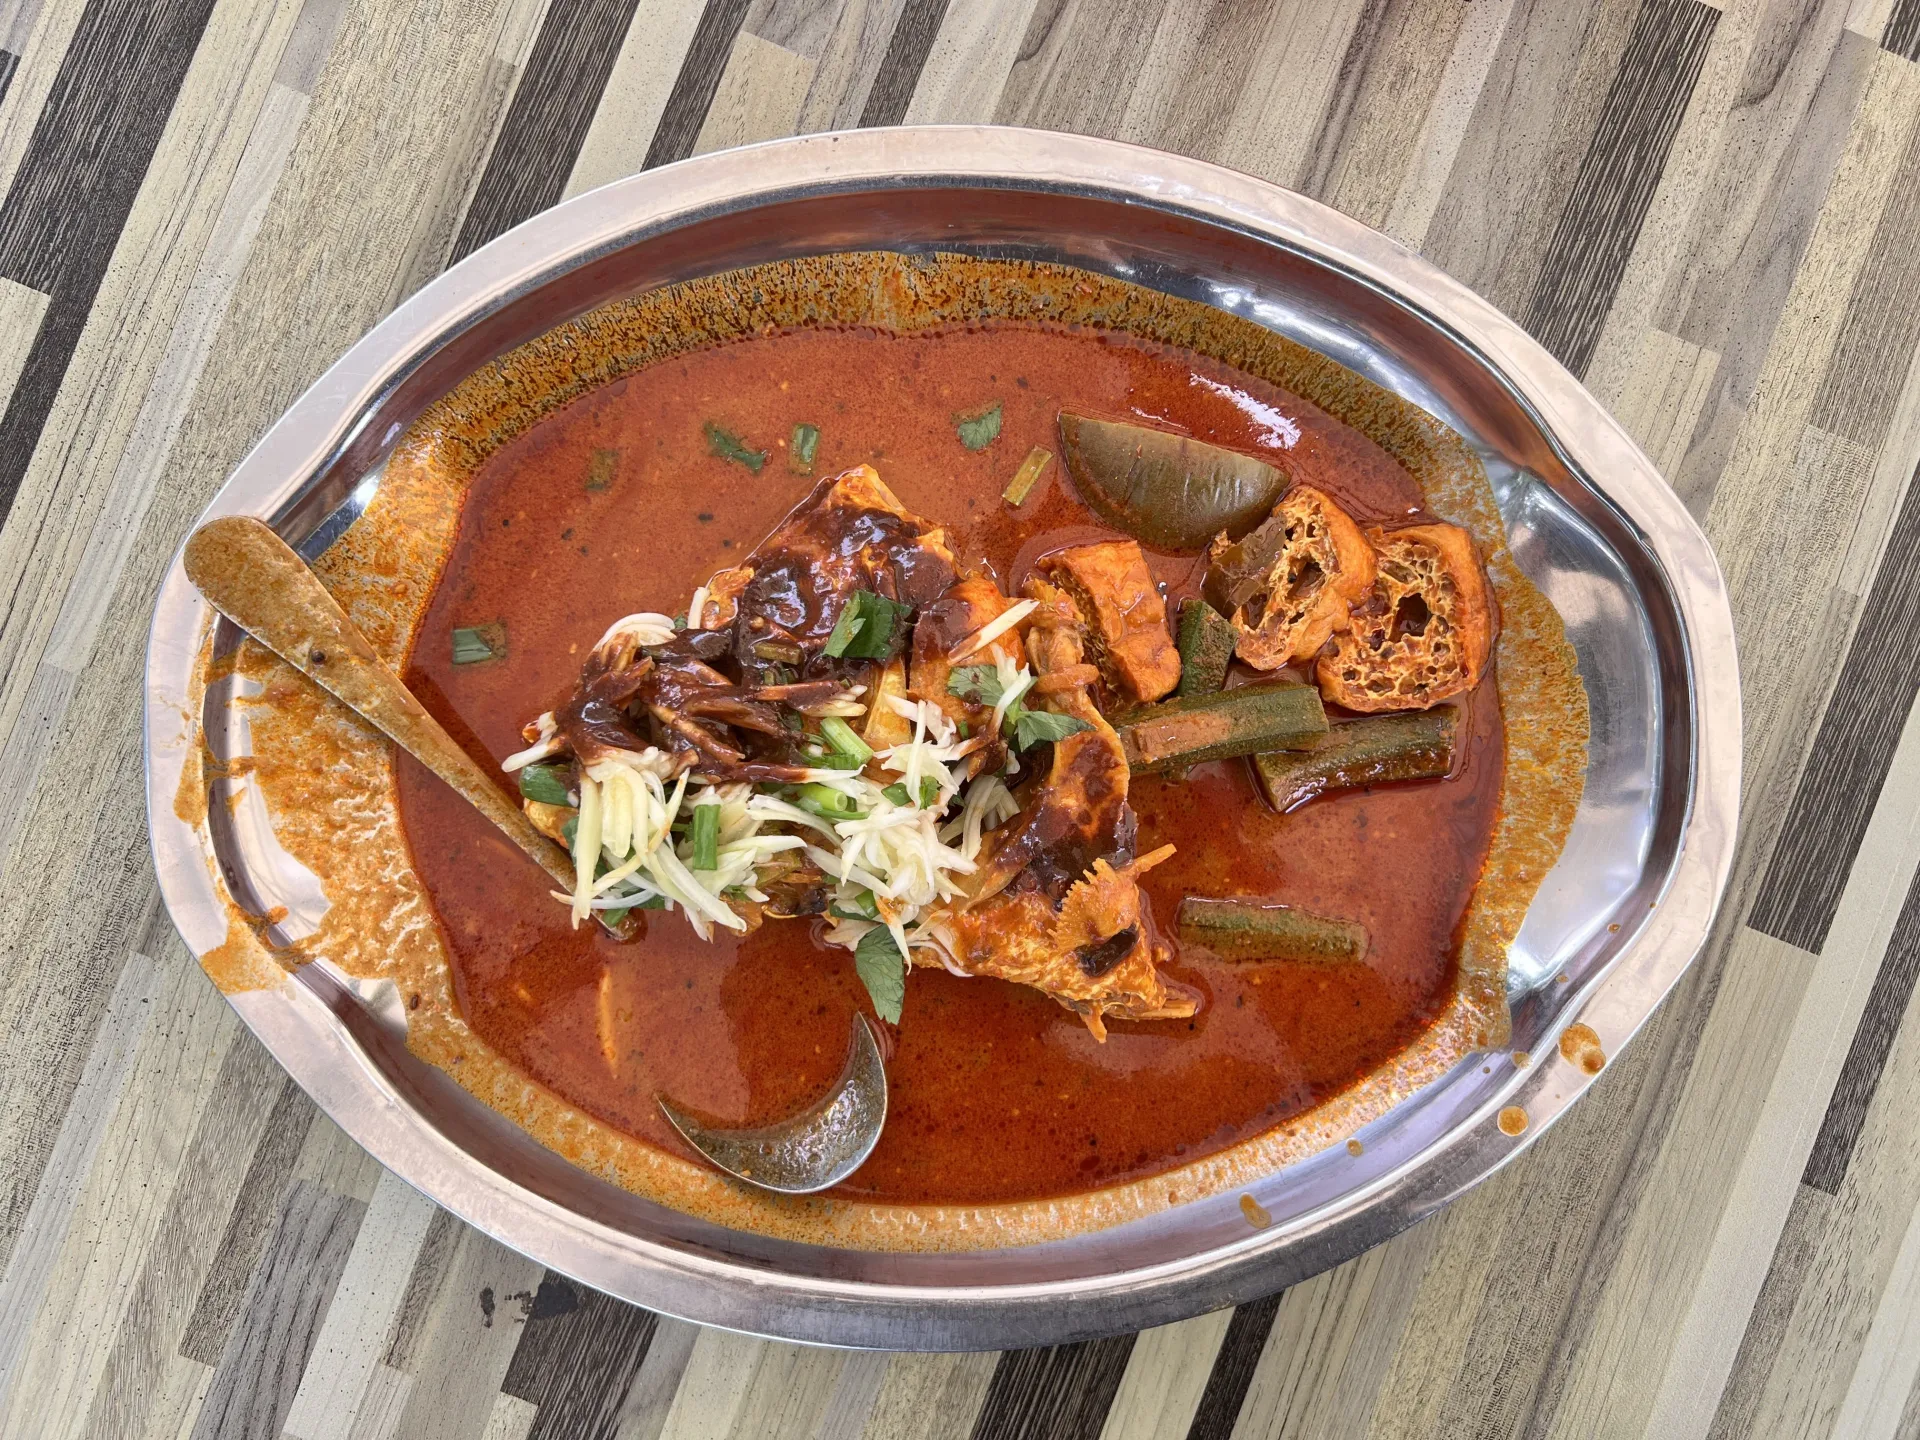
point(729, 446)
point(929, 792)
point(1035, 726)
point(865, 628)
point(980, 429)
point(475, 643)
point(883, 970)
point(826, 802)
point(652, 902)
point(838, 760)
point(778, 650)
point(680, 621)
point(897, 792)
point(978, 683)
point(544, 783)
point(839, 735)
point(863, 907)
point(706, 838)
point(1027, 476)
point(614, 919)
point(570, 829)
point(802, 448)
point(600, 469)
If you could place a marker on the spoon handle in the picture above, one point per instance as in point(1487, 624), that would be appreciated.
point(249, 575)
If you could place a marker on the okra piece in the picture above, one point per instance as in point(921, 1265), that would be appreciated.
point(1250, 930)
point(1278, 715)
point(1206, 648)
point(1373, 751)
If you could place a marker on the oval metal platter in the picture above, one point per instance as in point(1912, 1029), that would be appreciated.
point(1590, 520)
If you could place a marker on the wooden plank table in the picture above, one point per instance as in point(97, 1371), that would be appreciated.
point(1712, 215)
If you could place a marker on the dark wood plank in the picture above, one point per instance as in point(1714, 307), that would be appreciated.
point(699, 77)
point(576, 1358)
point(9, 62)
point(225, 1290)
point(1233, 1368)
point(1835, 797)
point(1902, 35)
point(546, 123)
point(1597, 230)
point(1062, 1392)
point(253, 1388)
point(82, 167)
point(907, 51)
point(1872, 1042)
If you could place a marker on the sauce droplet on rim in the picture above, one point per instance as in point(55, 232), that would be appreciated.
point(1255, 1213)
point(1581, 1046)
point(1354, 1147)
point(1513, 1120)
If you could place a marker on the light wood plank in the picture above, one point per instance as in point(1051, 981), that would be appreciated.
point(20, 312)
point(1773, 1047)
point(1165, 1377)
point(760, 95)
point(967, 69)
point(1444, 129)
point(650, 1398)
point(738, 1386)
point(636, 95)
point(1889, 1361)
point(931, 1397)
point(1661, 396)
point(346, 1353)
point(511, 1418)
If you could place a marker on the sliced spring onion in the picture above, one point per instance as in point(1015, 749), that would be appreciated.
point(475, 643)
point(827, 802)
point(802, 448)
point(706, 838)
point(841, 737)
point(545, 784)
point(1027, 476)
point(980, 428)
point(778, 650)
point(601, 468)
point(857, 906)
point(729, 446)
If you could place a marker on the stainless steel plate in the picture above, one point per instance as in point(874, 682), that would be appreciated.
point(1591, 522)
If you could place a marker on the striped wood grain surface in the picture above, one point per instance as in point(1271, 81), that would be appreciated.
point(1708, 213)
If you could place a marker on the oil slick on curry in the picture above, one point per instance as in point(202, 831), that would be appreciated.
point(1114, 698)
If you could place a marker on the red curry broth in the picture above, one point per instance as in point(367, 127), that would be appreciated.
point(997, 1093)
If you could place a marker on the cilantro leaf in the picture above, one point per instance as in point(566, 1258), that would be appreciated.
point(1034, 726)
point(729, 446)
point(543, 783)
point(978, 683)
point(883, 970)
point(980, 429)
point(866, 627)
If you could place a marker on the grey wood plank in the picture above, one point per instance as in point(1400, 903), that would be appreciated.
point(1767, 1324)
point(1061, 1392)
point(1596, 232)
point(547, 121)
point(906, 57)
point(230, 1272)
point(577, 1358)
point(89, 151)
point(260, 1368)
point(1851, 751)
point(1233, 1369)
point(699, 78)
point(1872, 1042)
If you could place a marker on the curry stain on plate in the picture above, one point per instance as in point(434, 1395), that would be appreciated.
point(1521, 1059)
point(1354, 1147)
point(1256, 1215)
point(1581, 1046)
point(1513, 1120)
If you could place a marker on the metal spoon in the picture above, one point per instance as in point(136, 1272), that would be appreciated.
point(818, 1147)
point(249, 575)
